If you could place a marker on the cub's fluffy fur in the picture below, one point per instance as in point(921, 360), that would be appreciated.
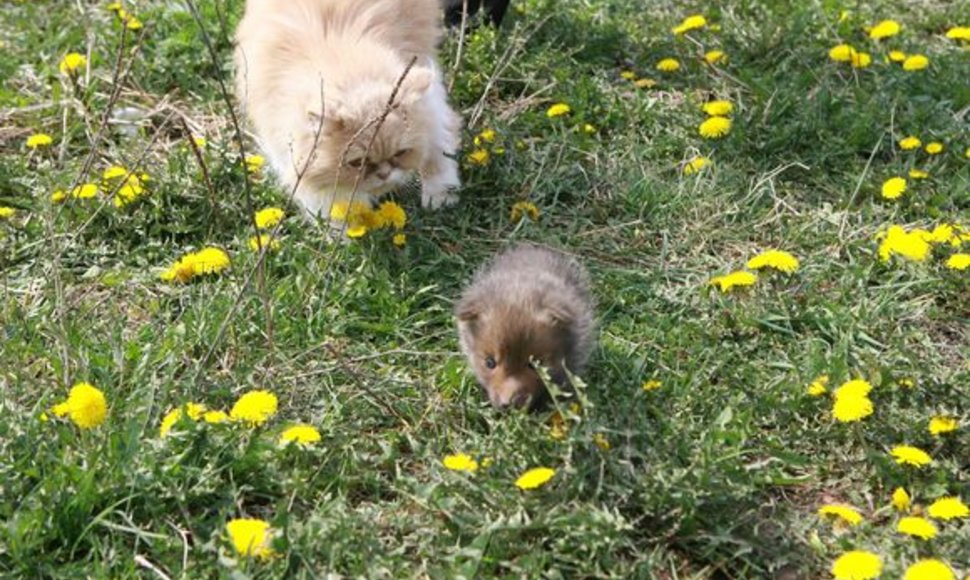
point(330, 66)
point(528, 303)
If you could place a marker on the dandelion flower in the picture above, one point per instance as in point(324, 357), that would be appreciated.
point(718, 108)
point(114, 172)
point(948, 508)
point(254, 163)
point(897, 55)
point(861, 59)
point(255, 407)
point(893, 187)
point(58, 196)
point(71, 62)
point(194, 411)
point(909, 143)
point(133, 23)
point(557, 427)
point(691, 23)
point(628, 75)
point(128, 192)
point(668, 65)
point(460, 462)
point(390, 214)
point(521, 209)
point(214, 417)
point(857, 565)
point(777, 259)
point(601, 441)
point(558, 110)
point(7, 212)
point(901, 499)
point(934, 148)
point(715, 127)
point(916, 62)
point(535, 477)
point(399, 240)
point(200, 141)
point(907, 383)
point(844, 513)
point(39, 140)
point(301, 434)
point(85, 191)
point(588, 128)
point(270, 242)
point(645, 83)
point(715, 57)
point(958, 262)
point(268, 217)
point(959, 33)
point(651, 385)
point(918, 174)
point(486, 136)
point(907, 455)
point(884, 29)
point(729, 281)
point(939, 425)
point(818, 387)
point(478, 157)
point(853, 389)
point(916, 526)
point(86, 406)
point(250, 537)
point(929, 569)
point(909, 245)
point(695, 165)
point(851, 409)
point(842, 53)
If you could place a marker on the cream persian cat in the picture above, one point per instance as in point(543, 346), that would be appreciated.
point(305, 67)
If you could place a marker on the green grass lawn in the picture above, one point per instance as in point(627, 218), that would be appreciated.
point(718, 472)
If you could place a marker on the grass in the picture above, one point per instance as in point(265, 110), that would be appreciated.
point(719, 473)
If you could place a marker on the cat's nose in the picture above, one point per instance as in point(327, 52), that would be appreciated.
point(384, 170)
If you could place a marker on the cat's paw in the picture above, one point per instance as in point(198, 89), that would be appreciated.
point(437, 197)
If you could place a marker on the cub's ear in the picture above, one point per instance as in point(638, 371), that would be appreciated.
point(328, 123)
point(555, 315)
point(416, 85)
point(468, 310)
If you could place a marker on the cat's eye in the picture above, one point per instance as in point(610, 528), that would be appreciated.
point(401, 153)
point(356, 163)
point(490, 362)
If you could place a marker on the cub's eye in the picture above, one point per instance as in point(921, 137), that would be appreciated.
point(490, 362)
point(356, 163)
point(402, 153)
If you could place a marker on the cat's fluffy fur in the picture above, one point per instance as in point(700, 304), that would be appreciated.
point(330, 66)
point(528, 303)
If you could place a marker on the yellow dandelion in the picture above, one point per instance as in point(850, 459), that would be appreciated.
point(857, 565)
point(929, 569)
point(114, 172)
point(918, 174)
point(851, 409)
point(842, 513)
point(60, 409)
point(210, 261)
point(861, 59)
point(390, 214)
point(668, 65)
point(958, 262)
point(628, 75)
point(486, 136)
point(695, 165)
point(557, 427)
point(897, 56)
point(254, 163)
point(399, 240)
point(909, 143)
point(906, 383)
point(853, 389)
point(254, 408)
point(718, 108)
point(521, 209)
point(941, 234)
point(916, 62)
point(901, 500)
point(478, 157)
point(645, 83)
point(460, 462)
point(842, 53)
point(884, 29)
point(693, 22)
point(948, 508)
point(301, 434)
point(777, 259)
point(715, 57)
point(38, 140)
point(651, 385)
point(729, 281)
point(535, 477)
point(909, 245)
point(250, 537)
point(194, 411)
point(71, 62)
point(270, 242)
point(133, 23)
point(200, 142)
point(127, 193)
point(268, 217)
point(588, 129)
point(7, 212)
point(558, 110)
point(86, 406)
point(715, 127)
point(85, 191)
point(934, 148)
point(819, 386)
point(215, 417)
point(959, 33)
point(916, 526)
point(893, 187)
point(601, 441)
point(907, 455)
point(58, 196)
point(940, 424)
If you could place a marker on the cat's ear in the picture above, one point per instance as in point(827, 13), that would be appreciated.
point(468, 309)
point(555, 315)
point(328, 123)
point(416, 84)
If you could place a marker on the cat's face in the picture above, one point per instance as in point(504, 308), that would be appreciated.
point(347, 153)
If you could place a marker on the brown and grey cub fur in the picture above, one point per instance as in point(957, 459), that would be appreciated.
point(528, 304)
